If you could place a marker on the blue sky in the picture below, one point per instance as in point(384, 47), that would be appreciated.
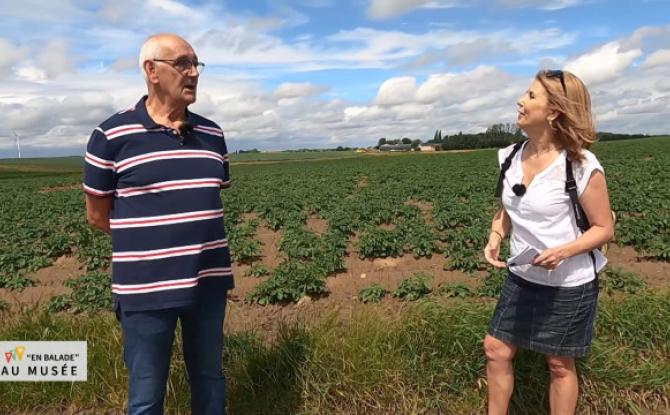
point(322, 73)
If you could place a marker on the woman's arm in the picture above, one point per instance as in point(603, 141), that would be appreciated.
point(500, 227)
point(596, 205)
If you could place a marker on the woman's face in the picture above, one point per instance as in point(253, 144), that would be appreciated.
point(533, 108)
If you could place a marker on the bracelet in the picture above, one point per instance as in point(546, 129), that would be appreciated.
point(498, 233)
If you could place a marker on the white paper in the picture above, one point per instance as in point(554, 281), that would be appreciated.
point(601, 260)
point(524, 257)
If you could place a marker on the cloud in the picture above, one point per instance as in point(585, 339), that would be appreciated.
point(10, 54)
point(602, 64)
point(469, 52)
point(455, 87)
point(298, 90)
point(62, 11)
point(543, 4)
point(396, 91)
point(648, 38)
point(385, 9)
point(54, 58)
point(659, 58)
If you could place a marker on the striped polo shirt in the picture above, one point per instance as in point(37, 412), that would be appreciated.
point(169, 247)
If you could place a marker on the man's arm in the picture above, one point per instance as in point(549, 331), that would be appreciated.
point(97, 211)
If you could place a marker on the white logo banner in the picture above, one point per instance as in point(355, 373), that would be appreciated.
point(32, 361)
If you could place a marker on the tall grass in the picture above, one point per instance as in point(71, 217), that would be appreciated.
point(429, 359)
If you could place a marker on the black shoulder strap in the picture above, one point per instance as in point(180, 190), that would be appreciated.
point(571, 188)
point(580, 216)
point(505, 166)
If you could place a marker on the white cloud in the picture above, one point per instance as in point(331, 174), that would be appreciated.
point(174, 8)
point(62, 11)
point(298, 90)
point(544, 4)
point(604, 63)
point(396, 91)
point(659, 58)
point(457, 87)
point(364, 114)
point(54, 58)
point(10, 55)
point(384, 9)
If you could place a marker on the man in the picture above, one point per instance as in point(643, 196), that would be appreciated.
point(152, 178)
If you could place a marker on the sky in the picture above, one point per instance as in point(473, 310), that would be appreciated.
point(325, 73)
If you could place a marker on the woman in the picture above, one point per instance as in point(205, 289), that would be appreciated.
point(547, 305)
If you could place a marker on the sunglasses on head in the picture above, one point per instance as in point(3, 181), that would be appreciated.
point(556, 73)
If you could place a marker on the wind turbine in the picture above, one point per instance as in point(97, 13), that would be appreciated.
point(18, 142)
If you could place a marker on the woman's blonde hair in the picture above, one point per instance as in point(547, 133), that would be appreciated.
point(567, 95)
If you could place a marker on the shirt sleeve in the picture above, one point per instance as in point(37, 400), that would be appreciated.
point(585, 169)
point(226, 165)
point(99, 170)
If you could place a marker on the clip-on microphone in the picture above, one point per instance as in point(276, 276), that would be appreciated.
point(185, 131)
point(519, 189)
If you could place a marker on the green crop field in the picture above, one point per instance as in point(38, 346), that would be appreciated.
point(419, 208)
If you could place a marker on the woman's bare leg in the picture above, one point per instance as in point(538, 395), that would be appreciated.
point(499, 374)
point(563, 385)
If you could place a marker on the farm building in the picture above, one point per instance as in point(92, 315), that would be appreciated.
point(395, 147)
point(427, 148)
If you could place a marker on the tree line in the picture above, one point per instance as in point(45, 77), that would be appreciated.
point(496, 136)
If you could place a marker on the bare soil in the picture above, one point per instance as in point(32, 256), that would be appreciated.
point(343, 287)
point(48, 283)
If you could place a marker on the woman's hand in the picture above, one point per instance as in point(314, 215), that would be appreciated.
point(492, 250)
point(551, 258)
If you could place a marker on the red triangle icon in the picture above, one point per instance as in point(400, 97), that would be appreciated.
point(8, 356)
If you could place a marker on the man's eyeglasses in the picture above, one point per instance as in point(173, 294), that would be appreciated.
point(557, 73)
point(183, 65)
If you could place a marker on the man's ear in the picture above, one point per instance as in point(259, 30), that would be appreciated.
point(150, 71)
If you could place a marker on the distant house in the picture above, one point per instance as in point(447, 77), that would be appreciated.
point(395, 147)
point(427, 147)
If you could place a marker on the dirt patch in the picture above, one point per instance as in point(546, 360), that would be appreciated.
point(60, 188)
point(317, 225)
point(271, 256)
point(387, 226)
point(654, 273)
point(388, 272)
point(48, 283)
point(426, 209)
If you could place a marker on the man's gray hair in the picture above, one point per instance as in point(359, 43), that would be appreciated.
point(149, 51)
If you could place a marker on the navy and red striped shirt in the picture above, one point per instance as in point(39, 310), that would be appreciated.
point(169, 246)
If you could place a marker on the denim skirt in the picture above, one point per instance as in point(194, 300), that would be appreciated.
point(550, 320)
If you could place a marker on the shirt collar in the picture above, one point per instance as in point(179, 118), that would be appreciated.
point(145, 119)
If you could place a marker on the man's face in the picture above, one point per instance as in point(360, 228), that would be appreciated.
point(177, 73)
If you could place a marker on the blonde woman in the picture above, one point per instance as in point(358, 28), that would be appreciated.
point(548, 301)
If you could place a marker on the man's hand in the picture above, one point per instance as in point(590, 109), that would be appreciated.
point(492, 250)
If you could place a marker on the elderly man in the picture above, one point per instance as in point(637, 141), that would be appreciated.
point(152, 178)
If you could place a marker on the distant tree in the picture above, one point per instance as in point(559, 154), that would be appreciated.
point(381, 141)
point(406, 140)
point(416, 143)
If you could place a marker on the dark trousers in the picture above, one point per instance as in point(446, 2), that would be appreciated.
point(147, 345)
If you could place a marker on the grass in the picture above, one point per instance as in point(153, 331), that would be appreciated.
point(430, 358)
